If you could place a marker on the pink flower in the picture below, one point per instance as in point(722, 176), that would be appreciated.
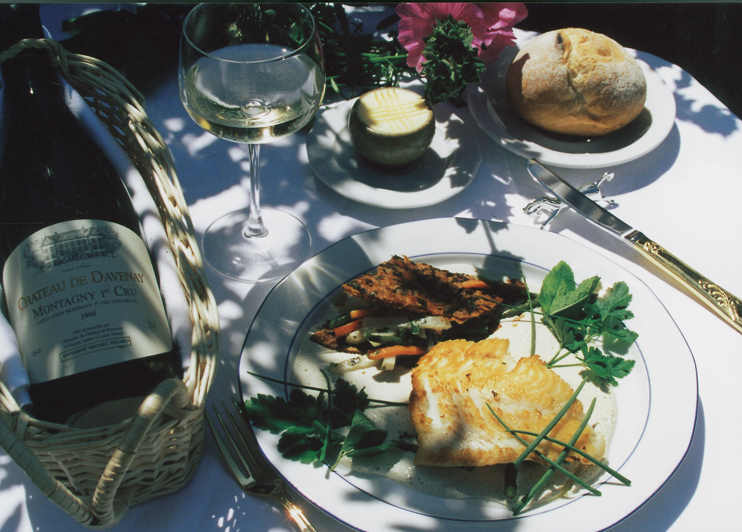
point(491, 24)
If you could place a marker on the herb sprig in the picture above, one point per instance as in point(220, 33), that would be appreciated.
point(578, 316)
point(355, 60)
point(327, 427)
point(451, 62)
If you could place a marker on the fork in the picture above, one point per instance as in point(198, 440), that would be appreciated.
point(249, 466)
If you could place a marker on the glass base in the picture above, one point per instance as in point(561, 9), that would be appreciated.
point(256, 259)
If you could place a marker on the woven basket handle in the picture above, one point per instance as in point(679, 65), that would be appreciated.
point(108, 505)
point(108, 509)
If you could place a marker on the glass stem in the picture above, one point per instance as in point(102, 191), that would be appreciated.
point(254, 226)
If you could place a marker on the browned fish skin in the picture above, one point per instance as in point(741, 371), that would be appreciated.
point(456, 380)
point(422, 290)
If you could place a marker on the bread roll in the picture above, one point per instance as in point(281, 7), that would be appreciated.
point(577, 82)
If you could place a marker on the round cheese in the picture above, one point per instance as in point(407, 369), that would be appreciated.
point(391, 126)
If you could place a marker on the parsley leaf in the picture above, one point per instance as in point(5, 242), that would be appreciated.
point(346, 401)
point(615, 301)
point(309, 425)
point(300, 444)
point(274, 414)
point(578, 316)
point(364, 439)
point(606, 367)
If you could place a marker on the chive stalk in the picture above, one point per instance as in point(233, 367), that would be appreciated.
point(316, 389)
point(550, 472)
point(618, 476)
point(546, 459)
point(550, 425)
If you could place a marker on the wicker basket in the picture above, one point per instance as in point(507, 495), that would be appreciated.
point(97, 474)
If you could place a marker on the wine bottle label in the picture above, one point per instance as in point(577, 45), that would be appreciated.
point(83, 295)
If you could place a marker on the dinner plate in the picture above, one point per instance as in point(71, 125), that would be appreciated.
point(446, 169)
point(656, 407)
point(489, 105)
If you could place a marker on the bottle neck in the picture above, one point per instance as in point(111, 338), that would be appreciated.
point(29, 78)
point(19, 21)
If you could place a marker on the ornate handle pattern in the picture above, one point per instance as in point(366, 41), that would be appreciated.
point(727, 305)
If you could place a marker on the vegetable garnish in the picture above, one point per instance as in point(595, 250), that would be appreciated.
point(477, 284)
point(396, 350)
point(578, 317)
point(310, 426)
point(555, 465)
point(346, 329)
point(586, 321)
point(545, 478)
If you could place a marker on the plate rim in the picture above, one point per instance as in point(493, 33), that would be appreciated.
point(690, 397)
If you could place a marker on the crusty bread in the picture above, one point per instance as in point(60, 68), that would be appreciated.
point(577, 82)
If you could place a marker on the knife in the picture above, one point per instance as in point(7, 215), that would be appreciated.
point(728, 306)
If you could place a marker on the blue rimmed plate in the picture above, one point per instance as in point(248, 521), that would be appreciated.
point(656, 409)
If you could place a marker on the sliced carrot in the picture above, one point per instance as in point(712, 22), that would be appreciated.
point(396, 350)
point(345, 330)
point(476, 284)
point(362, 312)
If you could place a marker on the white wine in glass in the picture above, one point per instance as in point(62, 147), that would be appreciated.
point(252, 73)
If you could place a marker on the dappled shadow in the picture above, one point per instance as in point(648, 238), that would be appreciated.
point(712, 116)
point(670, 500)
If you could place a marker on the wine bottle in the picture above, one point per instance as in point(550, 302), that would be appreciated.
point(81, 290)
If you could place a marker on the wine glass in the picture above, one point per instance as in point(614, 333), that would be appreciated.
point(252, 73)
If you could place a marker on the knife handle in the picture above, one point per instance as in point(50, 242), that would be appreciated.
point(727, 305)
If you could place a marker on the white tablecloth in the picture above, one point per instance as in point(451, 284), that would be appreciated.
point(685, 195)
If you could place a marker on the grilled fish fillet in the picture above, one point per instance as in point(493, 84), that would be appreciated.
point(451, 387)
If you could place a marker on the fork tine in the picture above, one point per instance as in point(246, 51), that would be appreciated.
point(243, 480)
point(244, 431)
point(232, 441)
point(265, 480)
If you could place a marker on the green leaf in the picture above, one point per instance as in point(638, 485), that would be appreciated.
point(560, 296)
point(346, 401)
point(565, 333)
point(363, 433)
point(305, 423)
point(364, 439)
point(569, 303)
point(622, 334)
point(450, 61)
point(577, 316)
point(271, 413)
point(559, 280)
point(300, 444)
point(614, 301)
point(606, 367)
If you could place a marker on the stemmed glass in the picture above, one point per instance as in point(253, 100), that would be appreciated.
point(252, 73)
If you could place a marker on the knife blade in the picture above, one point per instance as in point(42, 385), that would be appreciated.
point(724, 303)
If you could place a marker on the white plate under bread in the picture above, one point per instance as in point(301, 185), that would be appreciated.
point(490, 107)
